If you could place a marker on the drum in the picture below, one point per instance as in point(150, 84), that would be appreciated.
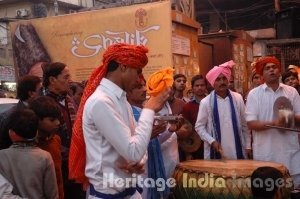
point(216, 179)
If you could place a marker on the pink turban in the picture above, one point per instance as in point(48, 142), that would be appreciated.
point(224, 69)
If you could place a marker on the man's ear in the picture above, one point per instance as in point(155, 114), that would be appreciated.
point(30, 93)
point(12, 134)
point(122, 68)
point(52, 79)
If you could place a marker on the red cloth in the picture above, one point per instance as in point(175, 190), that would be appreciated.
point(260, 64)
point(130, 55)
point(190, 111)
point(53, 146)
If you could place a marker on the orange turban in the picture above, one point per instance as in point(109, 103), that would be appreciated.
point(159, 81)
point(129, 55)
point(261, 62)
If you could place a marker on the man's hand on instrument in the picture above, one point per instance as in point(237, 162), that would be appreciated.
point(176, 125)
point(185, 131)
point(279, 122)
point(249, 154)
point(218, 148)
point(159, 127)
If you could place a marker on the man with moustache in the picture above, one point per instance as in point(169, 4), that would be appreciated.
point(270, 144)
point(56, 82)
point(220, 122)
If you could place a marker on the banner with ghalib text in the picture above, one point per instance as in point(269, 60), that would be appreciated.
point(80, 39)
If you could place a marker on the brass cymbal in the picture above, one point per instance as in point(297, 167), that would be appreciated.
point(190, 144)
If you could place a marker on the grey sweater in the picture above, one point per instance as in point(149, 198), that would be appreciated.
point(30, 170)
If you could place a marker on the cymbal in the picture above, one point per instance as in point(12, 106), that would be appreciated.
point(190, 144)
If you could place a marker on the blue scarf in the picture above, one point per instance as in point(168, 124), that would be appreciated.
point(217, 128)
point(156, 167)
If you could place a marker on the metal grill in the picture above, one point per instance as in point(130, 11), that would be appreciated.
point(286, 50)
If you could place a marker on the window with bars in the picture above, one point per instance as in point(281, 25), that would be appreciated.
point(286, 50)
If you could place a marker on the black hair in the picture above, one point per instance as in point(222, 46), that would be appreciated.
point(112, 66)
point(289, 73)
point(51, 70)
point(261, 179)
point(25, 84)
point(197, 77)
point(74, 86)
point(24, 122)
point(178, 76)
point(44, 106)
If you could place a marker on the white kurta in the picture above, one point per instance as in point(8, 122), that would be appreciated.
point(204, 124)
point(169, 145)
point(6, 189)
point(272, 144)
point(111, 137)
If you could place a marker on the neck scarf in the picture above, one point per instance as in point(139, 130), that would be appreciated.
point(130, 55)
point(217, 128)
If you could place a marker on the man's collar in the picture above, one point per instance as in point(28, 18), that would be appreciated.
point(265, 86)
point(114, 88)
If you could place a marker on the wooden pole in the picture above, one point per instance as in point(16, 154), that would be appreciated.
point(277, 5)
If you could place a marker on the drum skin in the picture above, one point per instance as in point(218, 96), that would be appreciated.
point(216, 179)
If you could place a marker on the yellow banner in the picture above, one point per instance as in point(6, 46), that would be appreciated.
point(80, 39)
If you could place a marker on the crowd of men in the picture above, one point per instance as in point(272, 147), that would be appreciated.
point(68, 140)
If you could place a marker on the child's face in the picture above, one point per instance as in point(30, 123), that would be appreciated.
point(48, 125)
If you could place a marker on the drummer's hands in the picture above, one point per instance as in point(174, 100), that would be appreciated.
point(159, 127)
point(249, 154)
point(156, 102)
point(138, 168)
point(279, 122)
point(218, 148)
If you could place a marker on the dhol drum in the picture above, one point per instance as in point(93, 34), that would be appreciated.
point(214, 179)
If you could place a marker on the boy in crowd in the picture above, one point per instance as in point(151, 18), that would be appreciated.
point(28, 168)
point(49, 114)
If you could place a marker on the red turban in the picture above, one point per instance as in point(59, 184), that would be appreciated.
point(224, 69)
point(129, 55)
point(261, 62)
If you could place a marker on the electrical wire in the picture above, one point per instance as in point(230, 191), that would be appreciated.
point(220, 16)
point(254, 20)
